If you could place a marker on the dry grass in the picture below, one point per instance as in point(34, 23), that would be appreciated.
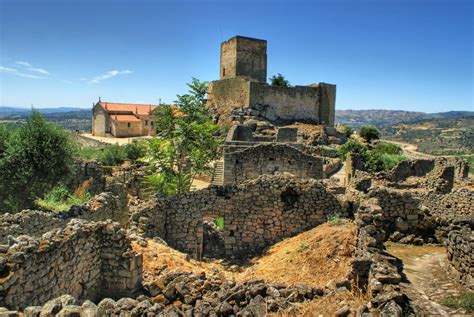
point(325, 306)
point(156, 255)
point(314, 257)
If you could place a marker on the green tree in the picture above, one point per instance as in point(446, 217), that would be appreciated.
point(35, 158)
point(185, 143)
point(279, 80)
point(352, 146)
point(369, 132)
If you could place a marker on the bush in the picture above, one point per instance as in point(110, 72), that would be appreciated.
point(388, 148)
point(369, 132)
point(352, 147)
point(465, 301)
point(112, 155)
point(59, 199)
point(35, 158)
point(135, 150)
point(334, 219)
point(376, 161)
point(347, 130)
point(279, 80)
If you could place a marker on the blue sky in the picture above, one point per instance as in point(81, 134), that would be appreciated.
point(405, 54)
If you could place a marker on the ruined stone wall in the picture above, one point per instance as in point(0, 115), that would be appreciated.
point(458, 204)
point(460, 253)
point(270, 159)
point(396, 210)
point(85, 260)
point(408, 168)
point(256, 213)
point(90, 175)
point(107, 205)
point(286, 104)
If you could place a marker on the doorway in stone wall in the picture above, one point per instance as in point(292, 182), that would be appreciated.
point(213, 237)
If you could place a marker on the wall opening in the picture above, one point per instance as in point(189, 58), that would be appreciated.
point(213, 237)
point(289, 198)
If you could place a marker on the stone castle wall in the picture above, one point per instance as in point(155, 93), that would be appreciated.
point(87, 260)
point(268, 159)
point(256, 213)
point(288, 104)
point(408, 168)
point(460, 253)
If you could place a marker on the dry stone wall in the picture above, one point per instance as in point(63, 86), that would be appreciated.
point(270, 159)
point(256, 213)
point(460, 252)
point(107, 205)
point(458, 204)
point(85, 259)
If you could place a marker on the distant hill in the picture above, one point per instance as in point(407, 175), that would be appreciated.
point(384, 118)
point(71, 118)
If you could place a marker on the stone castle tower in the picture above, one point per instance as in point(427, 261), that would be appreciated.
point(244, 56)
point(243, 87)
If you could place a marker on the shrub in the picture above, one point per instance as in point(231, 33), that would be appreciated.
point(388, 148)
point(347, 130)
point(335, 219)
point(465, 301)
point(113, 155)
point(369, 132)
point(352, 147)
point(135, 150)
point(377, 161)
point(59, 199)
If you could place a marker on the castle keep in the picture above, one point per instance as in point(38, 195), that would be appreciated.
point(242, 86)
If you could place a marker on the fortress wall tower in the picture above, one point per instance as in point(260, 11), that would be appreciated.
point(244, 56)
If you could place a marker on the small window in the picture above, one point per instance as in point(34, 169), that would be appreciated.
point(151, 123)
point(223, 71)
point(128, 124)
point(146, 122)
point(271, 159)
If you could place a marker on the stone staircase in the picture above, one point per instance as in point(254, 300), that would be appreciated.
point(218, 175)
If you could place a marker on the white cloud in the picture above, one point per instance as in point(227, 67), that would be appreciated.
point(26, 64)
point(30, 68)
point(109, 74)
point(7, 69)
point(39, 70)
point(14, 71)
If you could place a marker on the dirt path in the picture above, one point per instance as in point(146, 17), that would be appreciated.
point(427, 280)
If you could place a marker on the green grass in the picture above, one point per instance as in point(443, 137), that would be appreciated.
point(465, 301)
point(335, 219)
point(89, 153)
point(59, 199)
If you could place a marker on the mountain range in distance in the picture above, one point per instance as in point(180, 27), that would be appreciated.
point(353, 118)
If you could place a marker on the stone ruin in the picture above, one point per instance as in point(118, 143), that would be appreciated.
point(79, 254)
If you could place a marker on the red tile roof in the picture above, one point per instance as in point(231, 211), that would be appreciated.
point(125, 118)
point(139, 109)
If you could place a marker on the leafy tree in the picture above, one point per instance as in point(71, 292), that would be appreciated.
point(135, 150)
point(376, 161)
point(369, 132)
point(352, 146)
point(36, 157)
point(279, 80)
point(185, 143)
